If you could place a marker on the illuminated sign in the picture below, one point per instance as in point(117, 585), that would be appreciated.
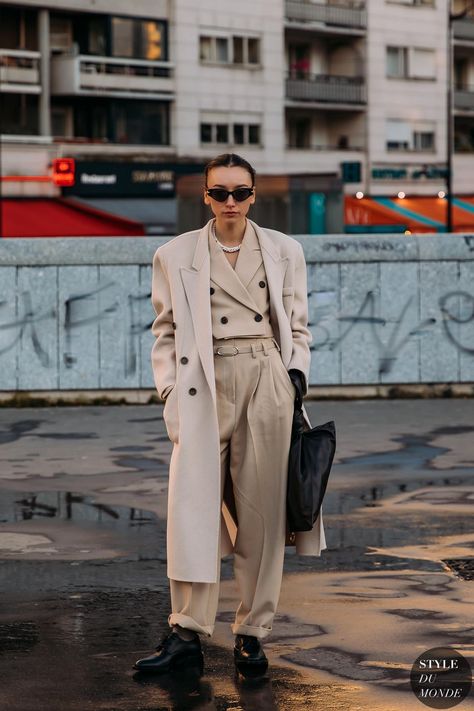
point(64, 172)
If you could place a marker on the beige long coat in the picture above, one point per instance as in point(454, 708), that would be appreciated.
point(183, 366)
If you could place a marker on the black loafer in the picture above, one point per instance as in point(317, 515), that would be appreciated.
point(249, 655)
point(173, 652)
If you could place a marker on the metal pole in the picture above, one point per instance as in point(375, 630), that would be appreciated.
point(45, 59)
point(450, 113)
point(449, 127)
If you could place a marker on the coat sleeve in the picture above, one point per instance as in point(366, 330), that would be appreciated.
point(163, 353)
point(301, 335)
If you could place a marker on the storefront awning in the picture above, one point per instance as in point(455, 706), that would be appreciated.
point(61, 218)
point(414, 214)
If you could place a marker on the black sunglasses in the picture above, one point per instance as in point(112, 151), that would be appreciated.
point(221, 195)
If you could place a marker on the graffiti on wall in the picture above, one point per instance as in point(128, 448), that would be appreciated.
point(455, 313)
point(81, 309)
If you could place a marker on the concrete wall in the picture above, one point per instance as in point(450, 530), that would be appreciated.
point(76, 313)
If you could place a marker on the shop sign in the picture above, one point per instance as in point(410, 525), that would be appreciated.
point(409, 172)
point(117, 179)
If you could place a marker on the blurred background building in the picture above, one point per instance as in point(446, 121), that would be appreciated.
point(342, 107)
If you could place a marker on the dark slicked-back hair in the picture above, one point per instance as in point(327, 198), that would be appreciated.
point(229, 160)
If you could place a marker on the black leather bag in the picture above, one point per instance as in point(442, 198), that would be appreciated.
point(310, 460)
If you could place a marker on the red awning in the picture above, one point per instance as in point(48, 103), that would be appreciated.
point(416, 214)
point(61, 218)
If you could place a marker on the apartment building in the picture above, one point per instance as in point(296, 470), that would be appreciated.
point(328, 100)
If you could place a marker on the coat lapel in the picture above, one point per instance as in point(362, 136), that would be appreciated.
point(196, 285)
point(250, 256)
point(225, 276)
point(275, 269)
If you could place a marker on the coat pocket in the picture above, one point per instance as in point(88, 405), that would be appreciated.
point(171, 415)
point(288, 291)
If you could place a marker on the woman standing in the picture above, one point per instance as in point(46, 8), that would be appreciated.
point(232, 344)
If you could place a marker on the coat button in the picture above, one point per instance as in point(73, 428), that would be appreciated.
point(174, 325)
point(212, 290)
point(184, 360)
point(224, 319)
point(258, 317)
point(262, 284)
point(192, 391)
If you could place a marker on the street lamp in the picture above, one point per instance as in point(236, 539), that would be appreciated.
point(452, 17)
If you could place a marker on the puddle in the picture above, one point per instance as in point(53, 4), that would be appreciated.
point(416, 452)
point(63, 525)
point(17, 430)
point(69, 506)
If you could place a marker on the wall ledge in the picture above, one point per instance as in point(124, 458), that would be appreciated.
point(68, 398)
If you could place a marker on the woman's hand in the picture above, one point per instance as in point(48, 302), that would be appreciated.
point(298, 380)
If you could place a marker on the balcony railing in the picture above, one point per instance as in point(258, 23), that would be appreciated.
point(327, 88)
point(338, 15)
point(464, 98)
point(19, 69)
point(85, 74)
point(464, 29)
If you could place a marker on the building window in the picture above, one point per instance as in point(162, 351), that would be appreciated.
point(133, 122)
point(423, 140)
point(299, 133)
point(406, 136)
point(206, 133)
point(239, 132)
point(464, 134)
point(236, 50)
point(397, 62)
point(222, 133)
point(98, 37)
point(254, 133)
point(231, 133)
point(410, 63)
point(19, 114)
point(138, 39)
point(18, 28)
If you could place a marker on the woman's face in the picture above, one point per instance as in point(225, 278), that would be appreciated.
point(229, 178)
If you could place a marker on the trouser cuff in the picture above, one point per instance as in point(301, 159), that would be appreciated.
point(176, 618)
point(259, 632)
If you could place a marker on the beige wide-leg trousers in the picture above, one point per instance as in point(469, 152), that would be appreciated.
point(255, 399)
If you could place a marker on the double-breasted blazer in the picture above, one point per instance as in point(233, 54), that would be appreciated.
point(199, 525)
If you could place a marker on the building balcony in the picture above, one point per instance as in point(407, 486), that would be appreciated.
point(19, 71)
point(109, 76)
point(331, 17)
point(464, 99)
point(463, 30)
point(326, 90)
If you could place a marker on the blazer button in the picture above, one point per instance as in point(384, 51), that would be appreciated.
point(224, 319)
point(184, 360)
point(258, 317)
point(192, 391)
point(262, 284)
point(212, 290)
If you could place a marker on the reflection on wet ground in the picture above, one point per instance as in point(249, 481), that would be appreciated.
point(83, 564)
point(105, 633)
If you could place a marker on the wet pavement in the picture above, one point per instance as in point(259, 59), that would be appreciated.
point(83, 564)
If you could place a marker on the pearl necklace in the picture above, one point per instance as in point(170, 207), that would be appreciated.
point(223, 246)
